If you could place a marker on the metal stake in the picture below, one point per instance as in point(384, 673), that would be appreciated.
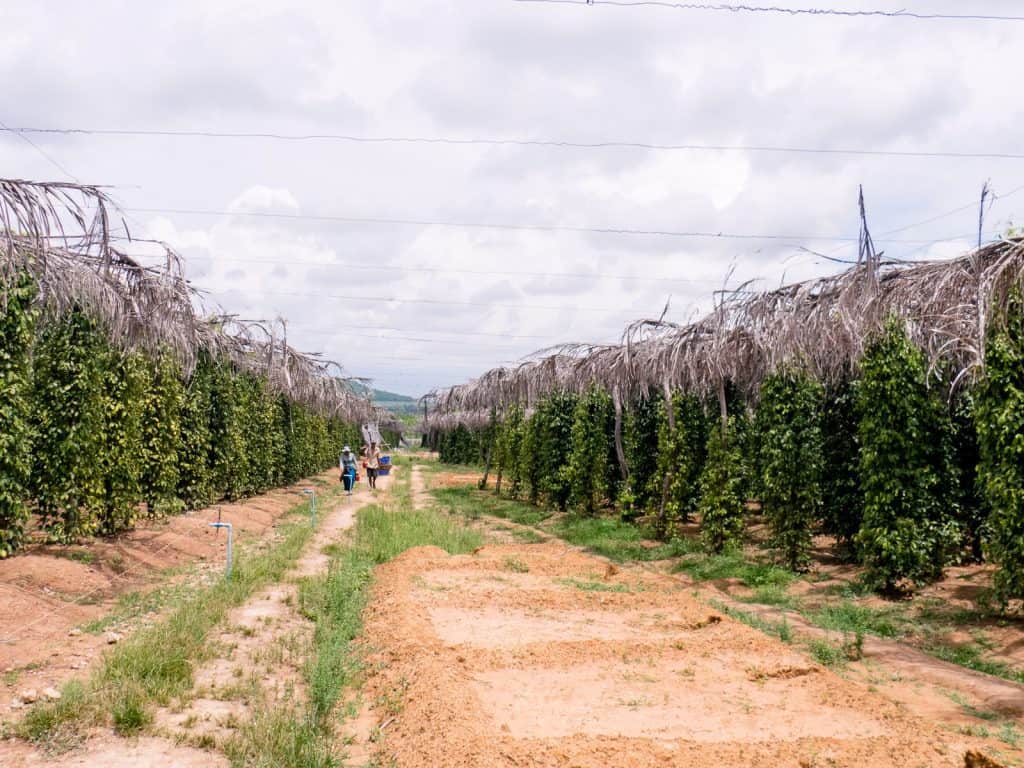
point(311, 492)
point(227, 572)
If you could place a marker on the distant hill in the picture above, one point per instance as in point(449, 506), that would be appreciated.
point(392, 401)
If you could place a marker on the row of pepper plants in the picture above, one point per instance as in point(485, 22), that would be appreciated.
point(906, 478)
point(92, 438)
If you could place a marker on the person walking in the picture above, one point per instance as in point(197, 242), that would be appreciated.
point(347, 464)
point(372, 464)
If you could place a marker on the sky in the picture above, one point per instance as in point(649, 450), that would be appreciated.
point(419, 305)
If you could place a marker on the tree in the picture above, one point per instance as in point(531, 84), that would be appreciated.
point(17, 325)
point(788, 427)
point(842, 498)
point(641, 428)
point(721, 485)
point(591, 460)
point(163, 403)
point(68, 422)
point(1000, 420)
point(682, 453)
point(122, 458)
point(905, 532)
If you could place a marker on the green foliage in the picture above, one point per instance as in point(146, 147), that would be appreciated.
point(511, 433)
point(641, 427)
point(681, 456)
point(721, 485)
point(195, 478)
point(17, 321)
point(591, 461)
point(90, 433)
point(963, 483)
point(905, 533)
point(842, 498)
point(163, 406)
point(121, 460)
point(546, 450)
point(790, 461)
point(1000, 421)
point(68, 419)
point(459, 446)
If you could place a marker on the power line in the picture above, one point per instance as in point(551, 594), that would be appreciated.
point(411, 330)
point(901, 14)
point(446, 271)
point(49, 158)
point(442, 302)
point(555, 143)
point(502, 226)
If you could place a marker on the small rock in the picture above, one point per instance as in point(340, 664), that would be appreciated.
point(28, 696)
point(16, 704)
point(75, 632)
point(8, 669)
point(112, 638)
point(52, 694)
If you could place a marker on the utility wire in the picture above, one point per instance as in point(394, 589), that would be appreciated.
point(901, 14)
point(442, 302)
point(502, 226)
point(556, 143)
point(447, 271)
point(48, 157)
point(416, 330)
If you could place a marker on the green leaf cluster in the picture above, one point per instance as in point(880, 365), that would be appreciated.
point(999, 415)
point(722, 480)
point(906, 530)
point(790, 461)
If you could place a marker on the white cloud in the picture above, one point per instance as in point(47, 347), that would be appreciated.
point(462, 70)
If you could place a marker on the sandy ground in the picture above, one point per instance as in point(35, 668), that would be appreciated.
point(261, 650)
point(531, 655)
point(540, 655)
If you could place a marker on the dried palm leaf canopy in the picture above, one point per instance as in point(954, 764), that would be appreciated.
point(821, 325)
point(61, 236)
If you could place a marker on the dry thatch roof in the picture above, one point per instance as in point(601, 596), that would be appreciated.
point(60, 234)
point(821, 324)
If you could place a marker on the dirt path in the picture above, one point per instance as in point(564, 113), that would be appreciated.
point(264, 645)
point(260, 654)
point(50, 592)
point(541, 655)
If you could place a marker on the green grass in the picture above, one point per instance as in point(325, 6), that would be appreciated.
point(849, 616)
point(132, 605)
point(516, 565)
point(733, 565)
point(825, 653)
point(616, 539)
point(155, 665)
point(970, 655)
point(78, 555)
point(283, 735)
point(467, 501)
point(779, 629)
point(383, 533)
point(598, 586)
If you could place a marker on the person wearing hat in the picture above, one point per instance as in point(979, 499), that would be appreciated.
point(347, 464)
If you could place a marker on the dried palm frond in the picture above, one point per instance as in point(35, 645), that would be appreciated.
point(823, 324)
point(60, 235)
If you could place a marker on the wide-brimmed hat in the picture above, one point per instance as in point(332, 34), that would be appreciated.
point(346, 449)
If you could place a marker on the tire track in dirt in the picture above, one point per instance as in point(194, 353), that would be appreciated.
point(541, 655)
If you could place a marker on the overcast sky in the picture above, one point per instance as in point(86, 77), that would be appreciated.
point(472, 298)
